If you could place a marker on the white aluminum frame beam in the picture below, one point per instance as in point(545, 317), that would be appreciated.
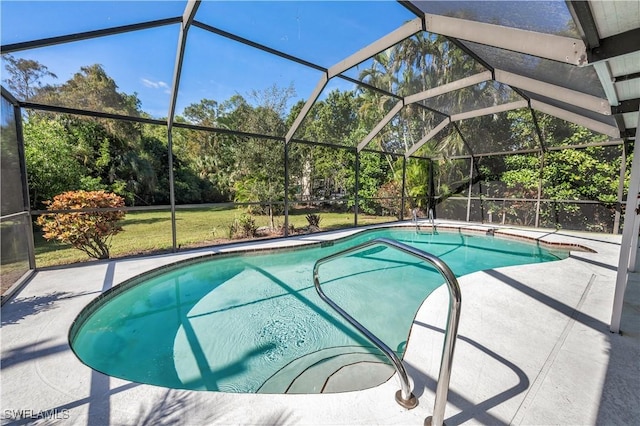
point(562, 94)
point(572, 117)
point(307, 107)
point(411, 99)
point(558, 48)
point(387, 118)
point(427, 137)
point(607, 81)
point(491, 110)
point(187, 19)
point(406, 30)
point(449, 87)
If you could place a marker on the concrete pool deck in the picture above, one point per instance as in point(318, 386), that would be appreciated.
point(534, 347)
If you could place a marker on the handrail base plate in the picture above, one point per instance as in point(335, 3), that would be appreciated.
point(410, 403)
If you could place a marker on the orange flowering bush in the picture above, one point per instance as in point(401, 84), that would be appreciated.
point(89, 231)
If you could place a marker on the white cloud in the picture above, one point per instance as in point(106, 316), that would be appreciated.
point(155, 84)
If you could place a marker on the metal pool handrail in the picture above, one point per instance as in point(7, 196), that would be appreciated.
point(404, 396)
point(433, 222)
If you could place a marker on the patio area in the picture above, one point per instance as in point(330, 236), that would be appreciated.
point(206, 122)
point(534, 347)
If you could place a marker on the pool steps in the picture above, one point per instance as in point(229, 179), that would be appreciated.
point(323, 374)
point(362, 374)
point(311, 372)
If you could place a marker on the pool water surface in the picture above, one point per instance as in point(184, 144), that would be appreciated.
point(254, 323)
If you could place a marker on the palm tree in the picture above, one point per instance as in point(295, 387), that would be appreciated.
point(418, 53)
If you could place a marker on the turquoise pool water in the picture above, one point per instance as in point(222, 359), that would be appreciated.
point(254, 323)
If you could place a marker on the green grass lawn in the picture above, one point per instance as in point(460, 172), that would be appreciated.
point(150, 232)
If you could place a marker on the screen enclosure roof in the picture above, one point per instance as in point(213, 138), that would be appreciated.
point(575, 60)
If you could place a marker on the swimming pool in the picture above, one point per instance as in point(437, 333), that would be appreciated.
point(252, 322)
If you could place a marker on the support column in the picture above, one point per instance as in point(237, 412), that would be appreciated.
point(636, 227)
point(634, 245)
point(187, 20)
point(628, 238)
point(432, 190)
point(357, 197)
point(623, 172)
point(172, 190)
point(26, 199)
point(470, 190)
point(404, 186)
point(286, 189)
point(539, 189)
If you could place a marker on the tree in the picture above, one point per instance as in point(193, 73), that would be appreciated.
point(389, 195)
point(323, 172)
point(374, 171)
point(417, 182)
point(51, 160)
point(259, 163)
point(568, 174)
point(208, 154)
point(260, 176)
point(90, 232)
point(111, 153)
point(25, 76)
point(93, 90)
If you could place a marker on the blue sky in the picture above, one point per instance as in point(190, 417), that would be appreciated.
point(322, 32)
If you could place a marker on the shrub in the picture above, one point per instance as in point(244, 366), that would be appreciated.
point(314, 220)
point(90, 232)
point(390, 198)
point(243, 227)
